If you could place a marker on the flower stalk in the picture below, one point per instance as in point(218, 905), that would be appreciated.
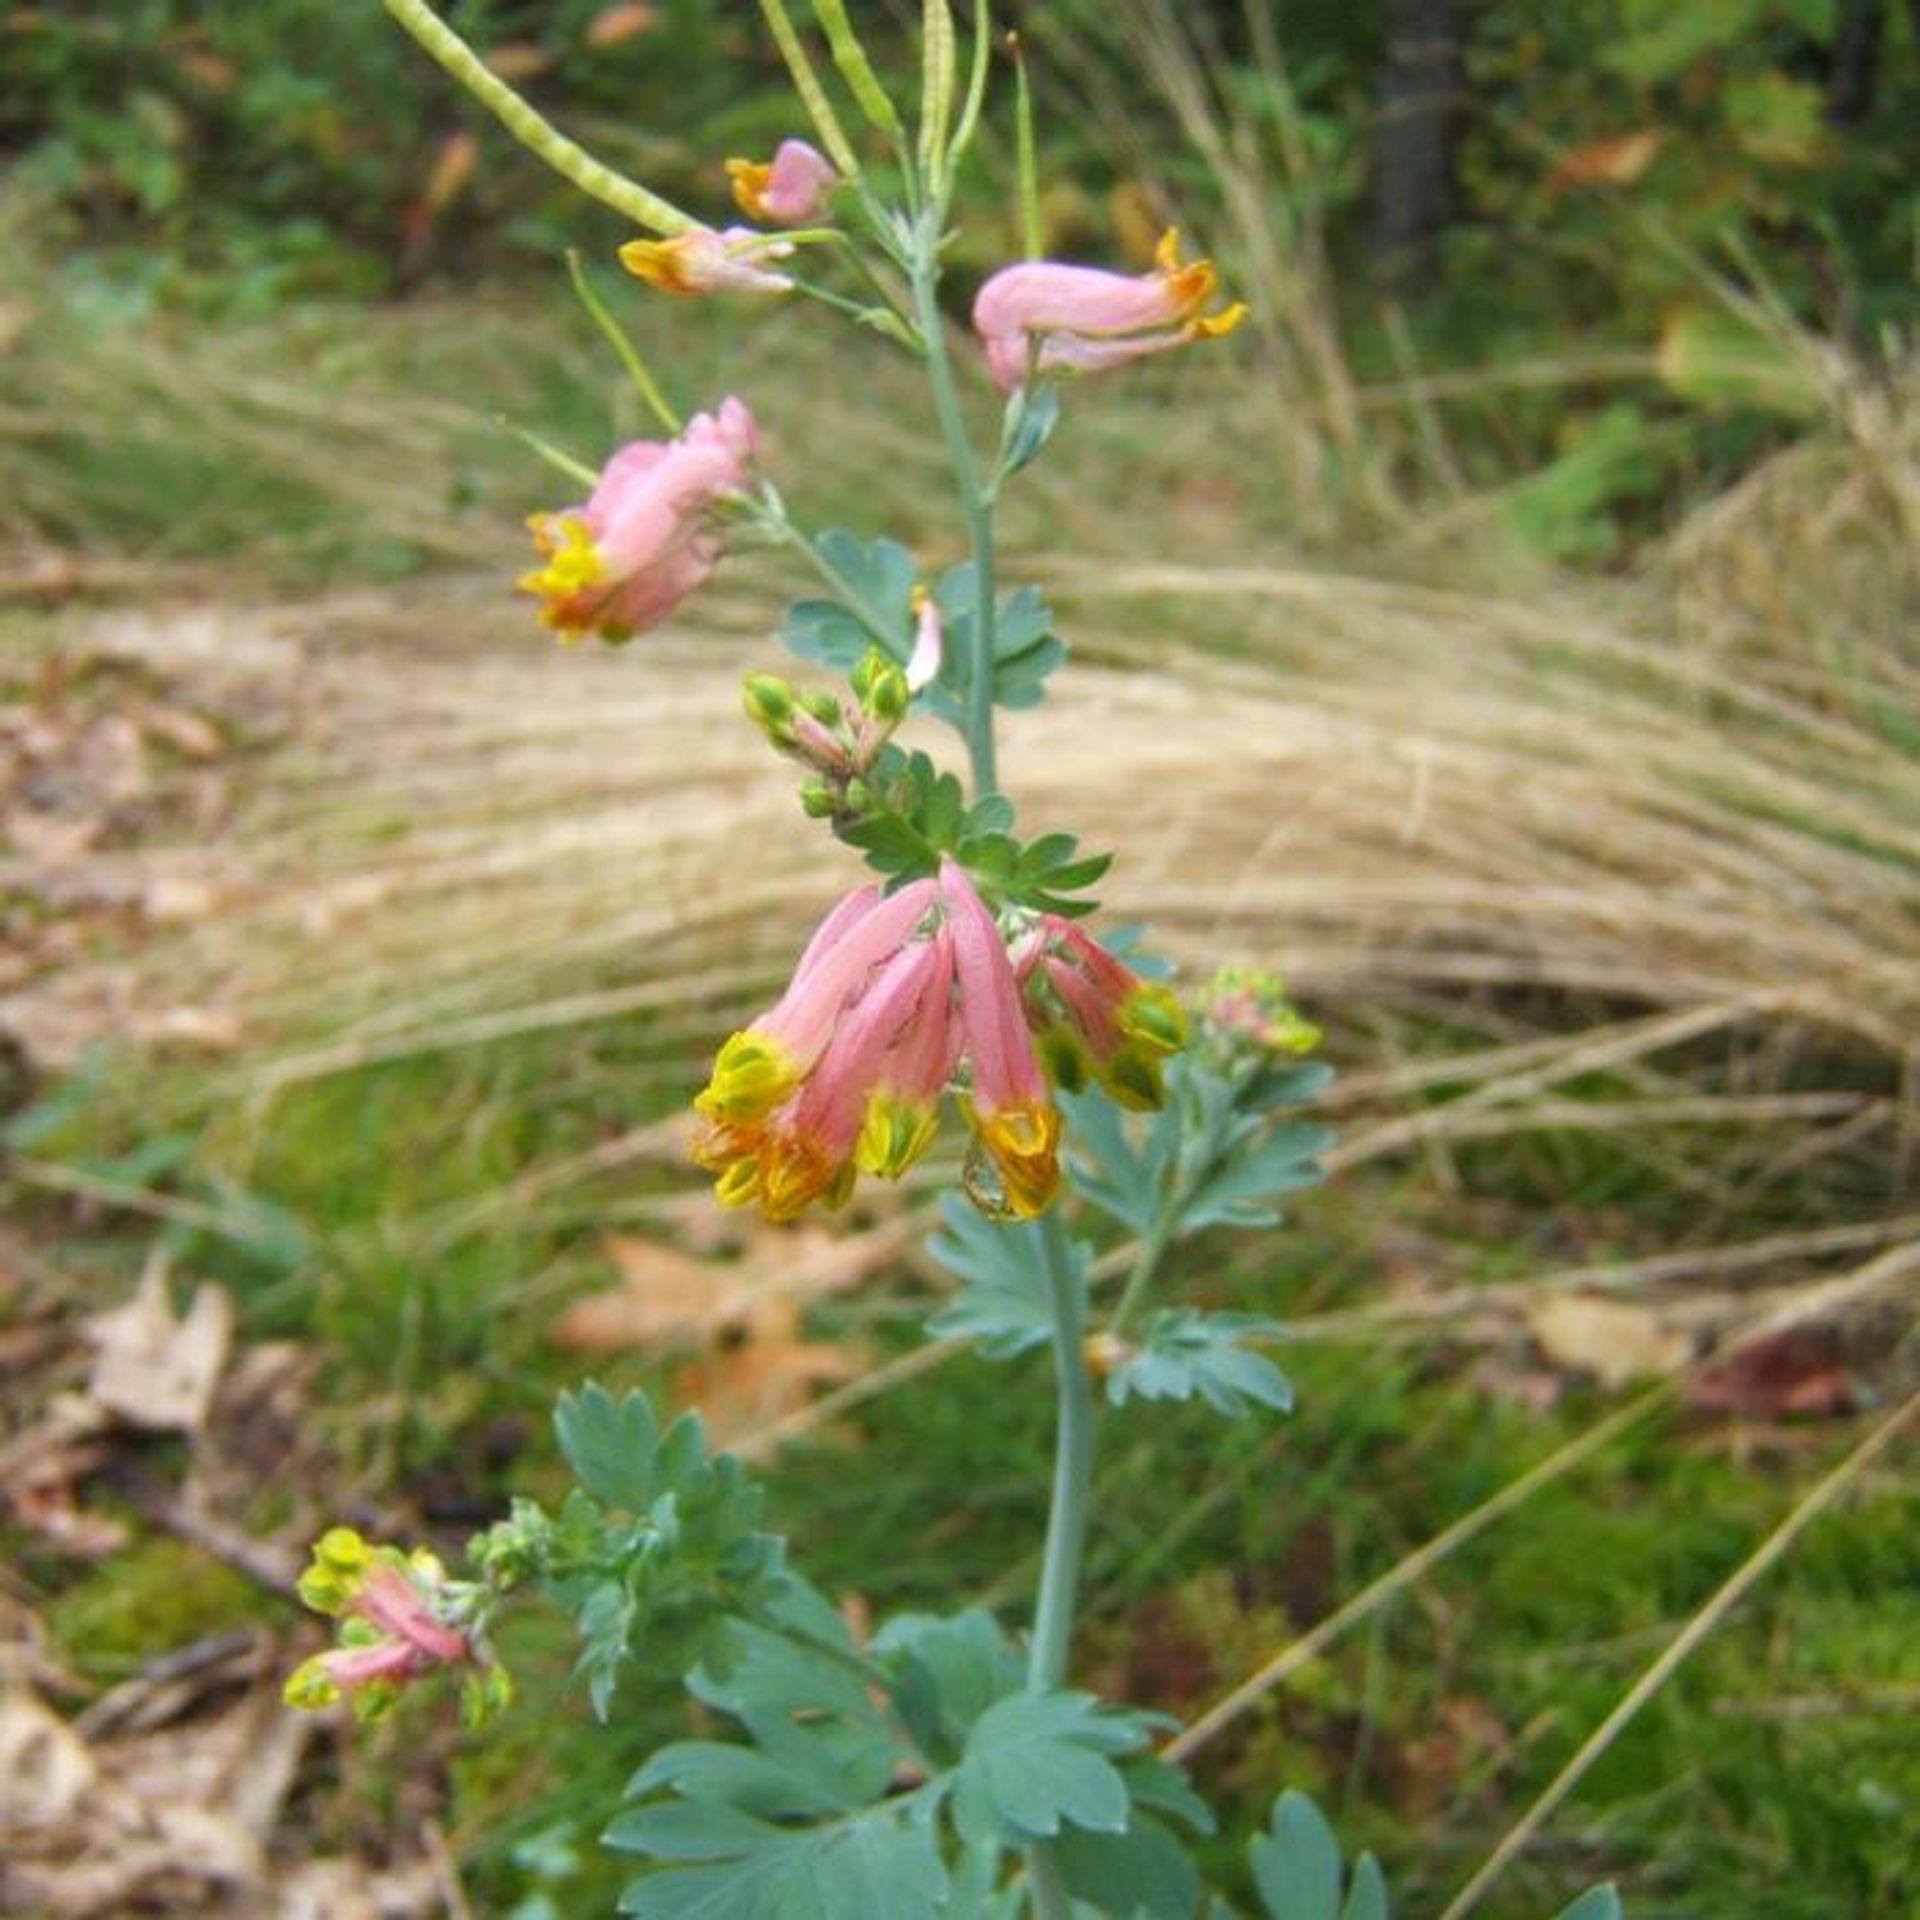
point(533, 130)
point(975, 508)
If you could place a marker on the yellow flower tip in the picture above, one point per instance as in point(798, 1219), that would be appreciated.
point(752, 1074)
point(894, 1133)
point(1104, 1352)
point(1023, 1143)
point(340, 1562)
point(794, 1173)
point(738, 1184)
point(310, 1686)
point(660, 263)
point(751, 179)
point(1166, 256)
point(1153, 1018)
point(1210, 326)
point(1131, 1075)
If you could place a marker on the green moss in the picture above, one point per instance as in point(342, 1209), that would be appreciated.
point(156, 1595)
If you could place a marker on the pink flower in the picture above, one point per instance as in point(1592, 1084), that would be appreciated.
point(644, 538)
point(844, 1069)
point(1014, 1119)
point(790, 190)
point(1080, 319)
point(703, 261)
point(929, 642)
point(390, 1606)
point(894, 995)
point(1096, 1014)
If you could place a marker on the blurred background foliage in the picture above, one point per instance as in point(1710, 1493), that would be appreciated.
point(1595, 216)
point(1535, 582)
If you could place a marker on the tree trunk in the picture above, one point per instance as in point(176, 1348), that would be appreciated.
point(1855, 72)
point(1421, 90)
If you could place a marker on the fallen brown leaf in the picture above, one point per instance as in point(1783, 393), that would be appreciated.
point(664, 1296)
point(153, 1369)
point(1797, 1371)
point(1614, 1340)
point(766, 1375)
point(670, 1297)
point(613, 24)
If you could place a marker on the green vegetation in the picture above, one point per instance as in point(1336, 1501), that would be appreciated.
point(1570, 586)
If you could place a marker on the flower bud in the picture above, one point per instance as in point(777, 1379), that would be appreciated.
point(881, 688)
point(818, 801)
point(769, 703)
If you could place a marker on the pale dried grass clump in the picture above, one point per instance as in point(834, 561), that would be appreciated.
point(1399, 796)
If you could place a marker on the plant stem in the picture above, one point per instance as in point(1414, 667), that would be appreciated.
point(974, 505)
point(1072, 1469)
point(1146, 1264)
point(1051, 1900)
point(537, 134)
point(1066, 1521)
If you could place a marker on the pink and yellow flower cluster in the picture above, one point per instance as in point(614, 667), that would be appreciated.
point(899, 997)
point(395, 1612)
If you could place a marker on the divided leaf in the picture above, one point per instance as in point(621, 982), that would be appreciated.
point(951, 1671)
point(1002, 1302)
point(1296, 1869)
point(1256, 1164)
point(1037, 1761)
point(878, 577)
point(1143, 1870)
point(1026, 648)
point(611, 1445)
point(1183, 1352)
point(881, 1860)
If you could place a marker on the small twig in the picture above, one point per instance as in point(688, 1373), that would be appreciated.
point(260, 1560)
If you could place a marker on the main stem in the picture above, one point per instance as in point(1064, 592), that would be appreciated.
point(973, 506)
point(1066, 1523)
point(1072, 1470)
point(1073, 1457)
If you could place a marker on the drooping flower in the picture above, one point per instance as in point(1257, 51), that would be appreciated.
point(791, 189)
point(645, 537)
point(1015, 1122)
point(896, 997)
point(1080, 319)
point(788, 1103)
point(1096, 1016)
point(394, 1611)
point(704, 260)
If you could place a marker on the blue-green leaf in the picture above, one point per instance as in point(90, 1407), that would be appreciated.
point(1367, 1891)
point(967, 1662)
point(1037, 1760)
point(1183, 1352)
point(610, 1445)
point(1160, 1785)
point(1296, 1864)
point(1031, 416)
point(1002, 1302)
point(793, 1774)
point(1144, 1870)
point(1597, 1903)
point(1261, 1165)
point(882, 1860)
